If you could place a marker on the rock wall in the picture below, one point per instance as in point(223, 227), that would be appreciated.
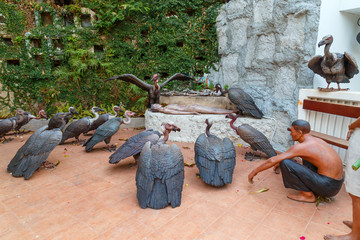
point(264, 47)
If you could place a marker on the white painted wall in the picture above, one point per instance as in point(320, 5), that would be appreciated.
point(339, 18)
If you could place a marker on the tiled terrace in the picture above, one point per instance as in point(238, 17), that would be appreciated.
point(85, 197)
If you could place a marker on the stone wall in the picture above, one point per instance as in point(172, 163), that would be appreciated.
point(264, 47)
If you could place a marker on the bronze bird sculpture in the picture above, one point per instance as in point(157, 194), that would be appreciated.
point(252, 136)
point(153, 90)
point(214, 157)
point(37, 148)
point(9, 124)
point(134, 145)
point(160, 174)
point(334, 67)
point(243, 101)
point(105, 131)
point(27, 118)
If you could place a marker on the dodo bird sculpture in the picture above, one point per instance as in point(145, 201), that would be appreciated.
point(134, 145)
point(9, 124)
point(334, 67)
point(37, 148)
point(215, 158)
point(80, 126)
point(160, 173)
point(153, 90)
point(252, 136)
point(243, 101)
point(107, 130)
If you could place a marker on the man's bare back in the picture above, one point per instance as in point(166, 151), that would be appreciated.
point(320, 154)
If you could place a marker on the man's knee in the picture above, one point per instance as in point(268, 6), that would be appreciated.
point(284, 164)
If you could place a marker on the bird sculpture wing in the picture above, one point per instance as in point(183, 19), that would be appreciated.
point(76, 128)
point(244, 102)
point(315, 65)
point(134, 145)
point(351, 67)
point(227, 165)
point(205, 158)
point(34, 152)
point(215, 159)
point(104, 132)
point(256, 139)
point(134, 80)
point(160, 176)
point(176, 76)
point(6, 125)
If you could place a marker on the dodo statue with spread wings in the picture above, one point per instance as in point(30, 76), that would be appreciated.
point(334, 67)
point(153, 90)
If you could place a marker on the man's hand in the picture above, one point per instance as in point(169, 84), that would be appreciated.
point(349, 134)
point(251, 177)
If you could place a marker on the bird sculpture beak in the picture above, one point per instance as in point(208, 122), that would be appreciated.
point(321, 43)
point(176, 129)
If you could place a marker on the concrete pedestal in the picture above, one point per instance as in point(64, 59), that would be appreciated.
point(193, 125)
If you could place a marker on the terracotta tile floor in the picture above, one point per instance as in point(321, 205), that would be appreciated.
point(85, 197)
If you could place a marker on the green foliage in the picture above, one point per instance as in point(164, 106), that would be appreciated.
point(226, 87)
point(211, 86)
point(58, 66)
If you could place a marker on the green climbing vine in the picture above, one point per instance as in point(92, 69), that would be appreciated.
point(58, 54)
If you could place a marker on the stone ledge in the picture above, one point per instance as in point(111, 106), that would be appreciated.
point(193, 125)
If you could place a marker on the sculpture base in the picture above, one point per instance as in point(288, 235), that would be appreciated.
point(193, 125)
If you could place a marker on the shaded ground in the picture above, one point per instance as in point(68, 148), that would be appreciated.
point(85, 197)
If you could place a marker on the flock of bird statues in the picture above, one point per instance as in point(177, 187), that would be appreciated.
point(160, 167)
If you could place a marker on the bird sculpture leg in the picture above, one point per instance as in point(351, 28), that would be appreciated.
point(136, 156)
point(252, 156)
point(48, 164)
point(110, 148)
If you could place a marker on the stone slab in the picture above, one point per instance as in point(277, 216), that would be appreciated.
point(193, 125)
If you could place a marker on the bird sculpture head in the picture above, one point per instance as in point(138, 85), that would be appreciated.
point(218, 87)
point(97, 109)
point(155, 78)
point(209, 121)
point(117, 109)
point(73, 110)
point(231, 116)
point(42, 114)
point(20, 111)
point(169, 126)
point(328, 39)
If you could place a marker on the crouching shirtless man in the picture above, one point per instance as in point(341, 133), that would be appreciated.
point(321, 172)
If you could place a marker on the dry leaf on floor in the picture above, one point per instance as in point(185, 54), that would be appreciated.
point(66, 156)
point(185, 147)
point(123, 139)
point(261, 190)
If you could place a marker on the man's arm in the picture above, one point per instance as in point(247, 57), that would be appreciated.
point(352, 127)
point(290, 153)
